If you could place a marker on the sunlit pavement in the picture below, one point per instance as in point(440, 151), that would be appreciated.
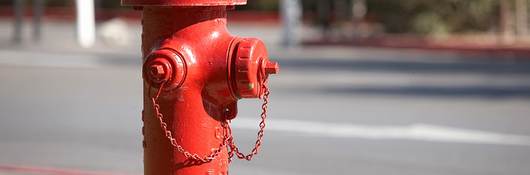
point(333, 111)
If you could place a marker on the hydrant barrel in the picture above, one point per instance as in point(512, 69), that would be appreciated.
point(194, 73)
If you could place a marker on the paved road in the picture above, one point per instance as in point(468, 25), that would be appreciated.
point(361, 114)
point(333, 110)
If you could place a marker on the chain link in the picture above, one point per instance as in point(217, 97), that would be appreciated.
point(233, 149)
point(228, 139)
point(189, 155)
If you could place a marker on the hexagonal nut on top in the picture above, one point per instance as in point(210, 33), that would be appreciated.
point(164, 66)
point(251, 66)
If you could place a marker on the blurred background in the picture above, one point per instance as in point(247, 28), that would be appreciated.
point(366, 87)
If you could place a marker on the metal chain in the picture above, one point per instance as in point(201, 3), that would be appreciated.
point(233, 149)
point(189, 155)
point(228, 139)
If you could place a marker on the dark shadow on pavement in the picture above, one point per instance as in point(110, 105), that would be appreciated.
point(487, 67)
point(434, 91)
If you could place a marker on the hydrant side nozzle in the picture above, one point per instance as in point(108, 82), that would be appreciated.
point(164, 66)
point(252, 66)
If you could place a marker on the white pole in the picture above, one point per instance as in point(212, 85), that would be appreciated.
point(521, 11)
point(86, 24)
point(506, 21)
point(359, 9)
point(38, 10)
point(291, 13)
point(18, 6)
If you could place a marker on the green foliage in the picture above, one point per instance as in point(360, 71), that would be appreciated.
point(260, 5)
point(435, 17)
point(57, 3)
point(428, 17)
point(430, 23)
point(109, 4)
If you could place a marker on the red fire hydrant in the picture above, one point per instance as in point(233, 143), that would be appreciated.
point(195, 71)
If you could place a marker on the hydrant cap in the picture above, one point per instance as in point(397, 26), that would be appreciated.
point(182, 2)
point(164, 66)
point(251, 67)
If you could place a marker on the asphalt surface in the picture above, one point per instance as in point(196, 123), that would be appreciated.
point(334, 111)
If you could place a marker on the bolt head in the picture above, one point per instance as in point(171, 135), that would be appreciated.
point(157, 70)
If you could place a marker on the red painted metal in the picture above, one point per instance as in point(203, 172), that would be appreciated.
point(183, 2)
point(195, 71)
point(249, 65)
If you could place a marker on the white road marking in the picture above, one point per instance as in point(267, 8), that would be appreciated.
point(421, 132)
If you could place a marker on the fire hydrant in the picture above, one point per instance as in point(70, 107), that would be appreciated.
point(195, 71)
